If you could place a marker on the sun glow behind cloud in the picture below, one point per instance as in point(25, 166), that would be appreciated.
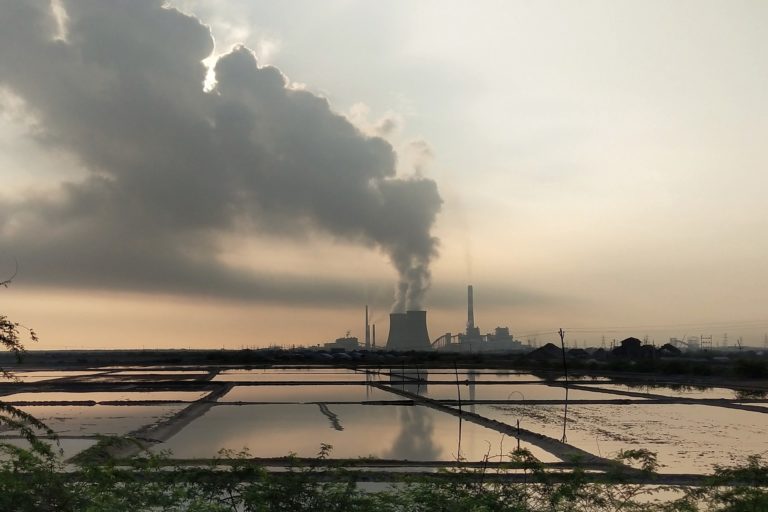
point(606, 156)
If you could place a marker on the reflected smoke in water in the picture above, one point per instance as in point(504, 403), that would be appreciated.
point(411, 380)
point(415, 440)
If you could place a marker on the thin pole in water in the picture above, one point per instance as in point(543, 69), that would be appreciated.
point(458, 393)
point(561, 332)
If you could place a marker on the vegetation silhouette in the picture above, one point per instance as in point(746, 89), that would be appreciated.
point(235, 482)
point(12, 418)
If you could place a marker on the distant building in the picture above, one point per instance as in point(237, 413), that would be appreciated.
point(633, 348)
point(472, 341)
point(669, 350)
point(346, 344)
point(550, 351)
point(578, 353)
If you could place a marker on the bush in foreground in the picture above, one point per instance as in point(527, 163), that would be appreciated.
point(31, 480)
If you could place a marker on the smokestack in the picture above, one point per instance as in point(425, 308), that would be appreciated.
point(374, 336)
point(367, 330)
point(470, 310)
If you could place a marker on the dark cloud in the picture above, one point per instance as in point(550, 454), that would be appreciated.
point(172, 166)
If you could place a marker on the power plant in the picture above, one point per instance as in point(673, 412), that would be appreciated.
point(408, 331)
point(472, 341)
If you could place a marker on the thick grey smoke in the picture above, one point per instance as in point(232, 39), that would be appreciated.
point(171, 166)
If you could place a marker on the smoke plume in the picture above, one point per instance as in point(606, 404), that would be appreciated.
point(170, 165)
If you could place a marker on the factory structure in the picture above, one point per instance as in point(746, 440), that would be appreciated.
point(351, 343)
point(501, 340)
point(408, 332)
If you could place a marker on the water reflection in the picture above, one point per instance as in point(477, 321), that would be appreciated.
point(749, 394)
point(472, 391)
point(410, 380)
point(565, 413)
point(680, 388)
point(673, 390)
point(503, 392)
point(335, 423)
point(415, 440)
point(383, 431)
point(686, 438)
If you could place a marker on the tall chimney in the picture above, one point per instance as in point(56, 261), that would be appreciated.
point(367, 330)
point(470, 310)
point(374, 336)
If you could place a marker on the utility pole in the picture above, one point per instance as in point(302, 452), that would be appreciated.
point(561, 332)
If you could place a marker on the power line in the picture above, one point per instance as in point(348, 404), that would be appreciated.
point(531, 334)
point(734, 324)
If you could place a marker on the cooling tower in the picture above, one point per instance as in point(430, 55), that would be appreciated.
point(397, 332)
point(408, 331)
point(418, 337)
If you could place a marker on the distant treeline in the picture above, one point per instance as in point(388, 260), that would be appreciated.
point(747, 364)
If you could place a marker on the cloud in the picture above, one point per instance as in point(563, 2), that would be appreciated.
point(171, 165)
point(385, 127)
point(420, 153)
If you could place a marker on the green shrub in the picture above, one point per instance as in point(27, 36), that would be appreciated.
point(30, 481)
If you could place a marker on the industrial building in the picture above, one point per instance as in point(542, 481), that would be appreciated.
point(345, 344)
point(472, 341)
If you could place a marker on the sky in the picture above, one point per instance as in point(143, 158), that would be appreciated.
point(244, 173)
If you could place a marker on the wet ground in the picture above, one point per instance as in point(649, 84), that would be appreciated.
point(395, 414)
